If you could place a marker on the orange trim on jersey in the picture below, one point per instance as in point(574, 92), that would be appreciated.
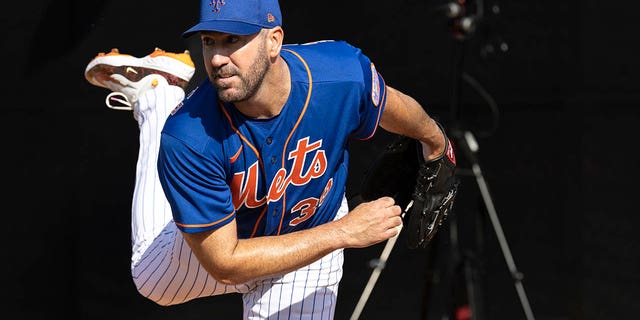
point(235, 156)
point(384, 98)
point(230, 215)
point(255, 227)
point(226, 114)
point(284, 150)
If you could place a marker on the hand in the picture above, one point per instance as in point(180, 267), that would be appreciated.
point(430, 186)
point(371, 222)
point(433, 197)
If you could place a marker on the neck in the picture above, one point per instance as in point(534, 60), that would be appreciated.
point(272, 94)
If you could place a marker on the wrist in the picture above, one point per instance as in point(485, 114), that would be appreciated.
point(434, 148)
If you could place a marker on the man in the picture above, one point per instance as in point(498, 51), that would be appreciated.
point(253, 163)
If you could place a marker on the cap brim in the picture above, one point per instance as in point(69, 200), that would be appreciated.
point(231, 27)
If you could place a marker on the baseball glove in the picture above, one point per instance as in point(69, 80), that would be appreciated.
point(425, 190)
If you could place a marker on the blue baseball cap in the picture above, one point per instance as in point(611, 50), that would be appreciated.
point(240, 17)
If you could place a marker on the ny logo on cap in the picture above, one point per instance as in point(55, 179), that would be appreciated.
point(216, 4)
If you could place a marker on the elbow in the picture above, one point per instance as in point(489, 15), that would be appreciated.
point(217, 254)
point(229, 276)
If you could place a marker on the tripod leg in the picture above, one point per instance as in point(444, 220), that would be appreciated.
point(517, 275)
point(379, 265)
point(467, 143)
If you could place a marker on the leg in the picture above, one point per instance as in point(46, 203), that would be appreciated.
point(162, 266)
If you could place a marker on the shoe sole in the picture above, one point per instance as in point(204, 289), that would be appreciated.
point(175, 70)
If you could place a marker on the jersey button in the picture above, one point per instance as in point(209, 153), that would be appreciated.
point(273, 159)
point(269, 140)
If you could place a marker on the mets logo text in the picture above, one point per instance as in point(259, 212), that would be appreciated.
point(244, 185)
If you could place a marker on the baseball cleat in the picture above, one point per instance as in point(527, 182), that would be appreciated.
point(131, 76)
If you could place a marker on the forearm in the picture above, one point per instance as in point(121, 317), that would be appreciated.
point(266, 256)
point(231, 260)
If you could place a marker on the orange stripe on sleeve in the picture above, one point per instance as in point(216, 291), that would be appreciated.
point(375, 128)
point(201, 225)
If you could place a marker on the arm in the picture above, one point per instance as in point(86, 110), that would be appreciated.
point(436, 185)
point(231, 260)
point(405, 116)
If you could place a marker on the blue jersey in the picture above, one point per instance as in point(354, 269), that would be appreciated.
point(275, 175)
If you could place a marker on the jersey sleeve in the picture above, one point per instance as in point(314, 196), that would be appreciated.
point(372, 101)
point(195, 187)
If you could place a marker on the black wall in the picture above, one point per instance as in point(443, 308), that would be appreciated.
point(556, 150)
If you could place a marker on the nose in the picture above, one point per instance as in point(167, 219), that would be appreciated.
point(219, 59)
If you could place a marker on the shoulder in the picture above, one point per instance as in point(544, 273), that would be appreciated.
point(197, 120)
point(328, 60)
point(332, 48)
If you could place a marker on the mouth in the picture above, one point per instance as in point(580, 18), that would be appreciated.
point(224, 75)
point(223, 78)
point(223, 72)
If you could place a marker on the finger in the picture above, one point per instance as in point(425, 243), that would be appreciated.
point(397, 227)
point(394, 211)
point(385, 201)
point(394, 223)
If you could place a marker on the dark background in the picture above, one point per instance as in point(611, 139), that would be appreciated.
point(557, 150)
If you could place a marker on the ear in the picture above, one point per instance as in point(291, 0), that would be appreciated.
point(275, 38)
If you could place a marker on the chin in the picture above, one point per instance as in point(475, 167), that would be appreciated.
point(229, 96)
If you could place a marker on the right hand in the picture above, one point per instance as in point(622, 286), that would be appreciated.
point(371, 222)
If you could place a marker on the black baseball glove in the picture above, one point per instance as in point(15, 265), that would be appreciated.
point(425, 190)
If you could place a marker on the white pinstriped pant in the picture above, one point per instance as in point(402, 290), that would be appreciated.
point(165, 270)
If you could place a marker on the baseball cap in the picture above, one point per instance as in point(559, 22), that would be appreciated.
point(241, 17)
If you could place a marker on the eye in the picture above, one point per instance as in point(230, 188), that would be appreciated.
point(233, 39)
point(207, 41)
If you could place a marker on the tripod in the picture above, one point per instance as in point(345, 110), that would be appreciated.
point(467, 147)
point(464, 141)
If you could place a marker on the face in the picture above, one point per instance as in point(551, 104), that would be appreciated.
point(236, 65)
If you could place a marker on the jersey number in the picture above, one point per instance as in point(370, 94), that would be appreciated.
point(307, 207)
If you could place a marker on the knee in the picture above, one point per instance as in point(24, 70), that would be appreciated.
point(153, 292)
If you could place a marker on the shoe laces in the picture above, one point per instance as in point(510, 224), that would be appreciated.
point(118, 101)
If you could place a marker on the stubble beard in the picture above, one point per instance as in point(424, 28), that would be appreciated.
point(249, 82)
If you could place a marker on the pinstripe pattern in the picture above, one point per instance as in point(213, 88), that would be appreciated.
point(165, 270)
point(162, 266)
point(307, 293)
